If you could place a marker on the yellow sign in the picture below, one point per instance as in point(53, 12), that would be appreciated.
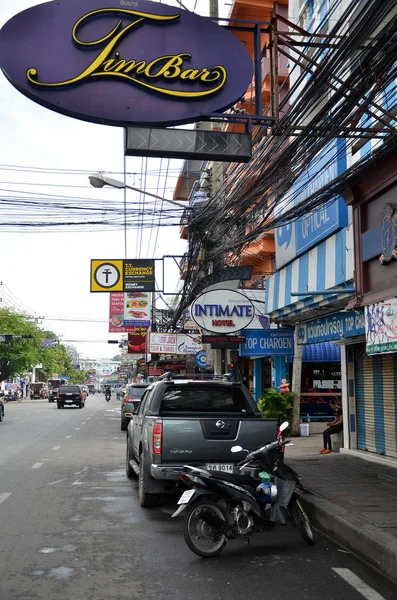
point(107, 276)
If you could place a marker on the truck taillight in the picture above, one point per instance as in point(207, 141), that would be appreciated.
point(157, 439)
point(81, 395)
point(57, 395)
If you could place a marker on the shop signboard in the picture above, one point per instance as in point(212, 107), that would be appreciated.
point(297, 237)
point(273, 342)
point(137, 309)
point(139, 275)
point(162, 343)
point(137, 340)
point(116, 313)
point(201, 359)
point(118, 62)
point(188, 344)
point(381, 327)
point(332, 327)
point(222, 311)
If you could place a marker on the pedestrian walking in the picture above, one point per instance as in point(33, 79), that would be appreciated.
point(335, 426)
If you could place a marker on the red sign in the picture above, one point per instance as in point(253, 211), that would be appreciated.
point(212, 339)
point(137, 340)
point(155, 371)
point(116, 314)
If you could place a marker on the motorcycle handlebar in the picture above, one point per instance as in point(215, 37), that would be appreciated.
point(252, 455)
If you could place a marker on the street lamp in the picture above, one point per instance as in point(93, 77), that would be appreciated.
point(98, 180)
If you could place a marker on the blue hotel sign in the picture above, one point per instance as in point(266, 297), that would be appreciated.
point(294, 239)
point(273, 342)
point(332, 327)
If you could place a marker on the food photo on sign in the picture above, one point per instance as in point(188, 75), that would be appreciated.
point(137, 308)
point(116, 313)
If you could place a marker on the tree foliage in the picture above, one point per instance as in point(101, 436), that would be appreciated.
point(19, 356)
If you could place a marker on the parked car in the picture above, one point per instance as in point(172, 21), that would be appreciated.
point(1, 409)
point(69, 395)
point(130, 402)
point(38, 390)
point(190, 422)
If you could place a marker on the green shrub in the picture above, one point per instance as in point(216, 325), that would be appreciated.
point(275, 405)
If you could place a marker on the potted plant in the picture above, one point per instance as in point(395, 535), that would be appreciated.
point(276, 405)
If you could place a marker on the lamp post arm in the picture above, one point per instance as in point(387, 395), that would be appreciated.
point(179, 204)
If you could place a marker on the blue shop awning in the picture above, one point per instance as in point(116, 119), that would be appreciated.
point(322, 352)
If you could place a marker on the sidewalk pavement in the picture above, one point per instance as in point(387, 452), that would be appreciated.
point(352, 500)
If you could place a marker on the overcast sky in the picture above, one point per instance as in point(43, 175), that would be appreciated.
point(48, 273)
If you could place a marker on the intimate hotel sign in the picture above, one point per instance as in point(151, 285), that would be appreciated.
point(106, 62)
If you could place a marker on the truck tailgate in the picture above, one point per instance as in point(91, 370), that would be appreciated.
point(201, 439)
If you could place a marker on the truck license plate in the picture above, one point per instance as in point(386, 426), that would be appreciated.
point(225, 467)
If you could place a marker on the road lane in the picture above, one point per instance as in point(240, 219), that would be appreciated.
point(72, 529)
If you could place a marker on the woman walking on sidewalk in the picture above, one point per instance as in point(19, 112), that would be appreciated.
point(335, 426)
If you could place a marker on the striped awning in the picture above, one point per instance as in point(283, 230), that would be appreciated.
point(322, 352)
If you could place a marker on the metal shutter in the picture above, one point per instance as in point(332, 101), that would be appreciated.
point(389, 364)
point(364, 399)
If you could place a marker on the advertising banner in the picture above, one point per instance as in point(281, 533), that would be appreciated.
point(381, 327)
point(137, 340)
point(116, 314)
point(188, 344)
point(332, 327)
point(274, 342)
point(137, 309)
point(162, 343)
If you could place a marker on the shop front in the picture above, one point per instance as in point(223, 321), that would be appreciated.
point(265, 358)
point(328, 342)
point(372, 364)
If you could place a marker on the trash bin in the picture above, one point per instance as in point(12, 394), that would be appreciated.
point(304, 429)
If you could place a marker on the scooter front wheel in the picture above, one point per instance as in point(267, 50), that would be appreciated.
point(202, 538)
point(301, 521)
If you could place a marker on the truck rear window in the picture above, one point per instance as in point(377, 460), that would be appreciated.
point(67, 389)
point(208, 399)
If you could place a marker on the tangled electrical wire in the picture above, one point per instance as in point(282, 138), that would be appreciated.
point(343, 84)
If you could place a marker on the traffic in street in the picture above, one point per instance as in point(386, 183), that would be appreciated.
point(71, 526)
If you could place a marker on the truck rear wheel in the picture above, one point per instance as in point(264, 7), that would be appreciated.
point(145, 500)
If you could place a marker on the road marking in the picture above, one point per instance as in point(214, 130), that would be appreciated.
point(88, 418)
point(83, 423)
point(37, 465)
point(77, 428)
point(358, 584)
point(56, 447)
point(4, 496)
point(55, 482)
point(68, 437)
point(78, 482)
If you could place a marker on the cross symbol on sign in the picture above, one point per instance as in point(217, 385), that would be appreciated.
point(106, 275)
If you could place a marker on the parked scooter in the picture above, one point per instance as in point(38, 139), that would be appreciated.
point(222, 506)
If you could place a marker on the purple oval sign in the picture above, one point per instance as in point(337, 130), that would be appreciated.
point(124, 62)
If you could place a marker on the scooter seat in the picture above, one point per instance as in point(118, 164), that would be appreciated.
point(236, 478)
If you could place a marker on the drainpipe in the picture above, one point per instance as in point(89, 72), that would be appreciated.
point(296, 384)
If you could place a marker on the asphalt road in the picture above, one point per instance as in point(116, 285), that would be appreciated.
point(71, 527)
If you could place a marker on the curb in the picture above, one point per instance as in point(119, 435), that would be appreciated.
point(366, 541)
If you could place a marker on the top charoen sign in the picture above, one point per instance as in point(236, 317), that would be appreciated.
point(222, 311)
point(119, 63)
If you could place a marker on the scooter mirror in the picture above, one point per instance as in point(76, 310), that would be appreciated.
point(284, 426)
point(236, 448)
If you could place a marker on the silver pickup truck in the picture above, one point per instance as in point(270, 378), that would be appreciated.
point(195, 422)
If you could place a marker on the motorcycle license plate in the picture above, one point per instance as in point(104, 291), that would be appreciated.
point(186, 496)
point(225, 467)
